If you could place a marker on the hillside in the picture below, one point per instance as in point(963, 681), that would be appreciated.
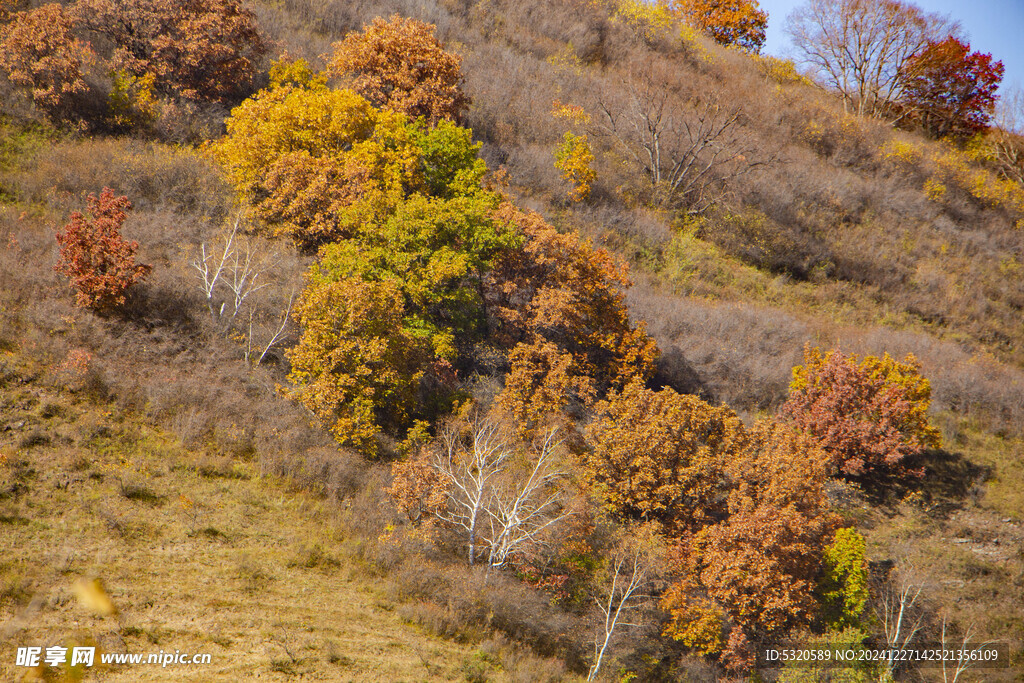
point(223, 516)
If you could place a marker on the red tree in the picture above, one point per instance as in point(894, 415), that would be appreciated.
point(868, 416)
point(951, 91)
point(100, 263)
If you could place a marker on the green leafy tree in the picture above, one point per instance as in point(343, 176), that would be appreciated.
point(844, 584)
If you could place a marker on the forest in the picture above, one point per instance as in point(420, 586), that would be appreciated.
point(507, 340)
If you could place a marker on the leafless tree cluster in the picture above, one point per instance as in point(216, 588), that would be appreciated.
point(689, 149)
point(1006, 139)
point(502, 502)
point(860, 47)
point(232, 272)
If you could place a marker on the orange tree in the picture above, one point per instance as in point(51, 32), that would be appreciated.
point(399, 64)
point(197, 49)
point(556, 287)
point(661, 456)
point(729, 22)
point(754, 574)
point(869, 415)
point(41, 55)
point(100, 263)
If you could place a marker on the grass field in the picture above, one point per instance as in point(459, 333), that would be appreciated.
point(197, 554)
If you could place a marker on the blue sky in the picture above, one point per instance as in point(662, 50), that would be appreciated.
point(995, 26)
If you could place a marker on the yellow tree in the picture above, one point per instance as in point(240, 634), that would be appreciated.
point(399, 64)
point(355, 367)
point(661, 456)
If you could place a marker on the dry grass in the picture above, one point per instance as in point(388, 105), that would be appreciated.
point(197, 557)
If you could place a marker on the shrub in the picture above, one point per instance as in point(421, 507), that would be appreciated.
point(869, 415)
point(844, 584)
point(399, 65)
point(41, 55)
point(100, 263)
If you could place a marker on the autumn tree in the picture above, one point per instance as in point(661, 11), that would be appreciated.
point(861, 48)
point(436, 251)
point(196, 49)
point(100, 263)
point(556, 287)
point(356, 368)
point(951, 91)
point(41, 55)
point(575, 159)
point(316, 164)
point(758, 567)
point(870, 415)
point(660, 456)
point(399, 64)
point(729, 22)
point(542, 381)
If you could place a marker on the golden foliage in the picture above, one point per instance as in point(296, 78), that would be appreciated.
point(729, 22)
point(355, 367)
point(558, 287)
point(575, 159)
point(399, 64)
point(541, 383)
point(660, 456)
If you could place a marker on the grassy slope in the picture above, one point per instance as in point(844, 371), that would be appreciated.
point(963, 532)
point(198, 554)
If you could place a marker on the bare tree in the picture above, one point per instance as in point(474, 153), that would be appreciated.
point(629, 572)
point(231, 272)
point(1006, 138)
point(952, 673)
point(689, 150)
point(860, 47)
point(898, 608)
point(501, 507)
